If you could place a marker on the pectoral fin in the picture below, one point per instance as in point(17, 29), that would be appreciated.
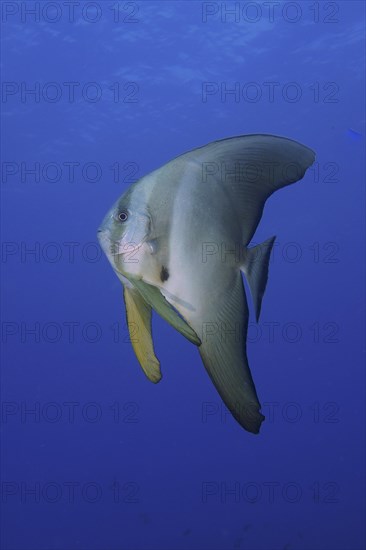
point(139, 324)
point(156, 300)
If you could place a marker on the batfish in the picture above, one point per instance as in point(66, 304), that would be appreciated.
point(178, 241)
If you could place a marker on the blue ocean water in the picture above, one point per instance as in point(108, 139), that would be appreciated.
point(94, 456)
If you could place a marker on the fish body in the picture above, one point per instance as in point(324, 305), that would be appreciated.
point(178, 241)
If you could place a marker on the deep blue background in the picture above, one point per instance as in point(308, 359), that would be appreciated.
point(161, 449)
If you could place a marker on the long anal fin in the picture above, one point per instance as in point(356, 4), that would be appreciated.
point(223, 350)
point(139, 324)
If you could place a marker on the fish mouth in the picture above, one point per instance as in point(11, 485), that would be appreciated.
point(102, 238)
point(119, 249)
point(112, 247)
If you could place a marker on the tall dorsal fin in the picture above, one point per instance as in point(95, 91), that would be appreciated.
point(249, 169)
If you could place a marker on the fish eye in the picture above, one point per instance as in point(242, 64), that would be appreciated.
point(122, 216)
